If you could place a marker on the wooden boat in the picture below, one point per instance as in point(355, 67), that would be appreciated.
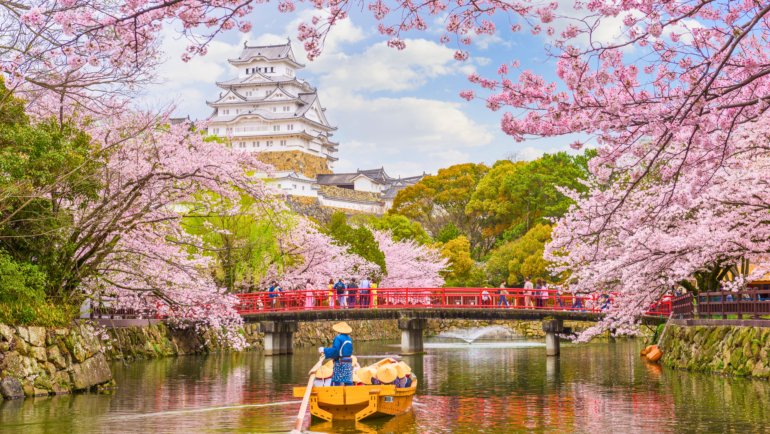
point(358, 402)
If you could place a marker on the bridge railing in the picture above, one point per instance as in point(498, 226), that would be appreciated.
point(457, 298)
point(722, 304)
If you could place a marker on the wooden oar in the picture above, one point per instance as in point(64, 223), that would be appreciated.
point(306, 398)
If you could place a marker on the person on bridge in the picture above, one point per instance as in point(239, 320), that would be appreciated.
point(503, 295)
point(528, 287)
point(331, 292)
point(363, 294)
point(341, 352)
point(374, 294)
point(352, 292)
point(274, 291)
point(309, 299)
point(340, 288)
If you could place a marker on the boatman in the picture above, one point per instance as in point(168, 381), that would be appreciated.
point(341, 352)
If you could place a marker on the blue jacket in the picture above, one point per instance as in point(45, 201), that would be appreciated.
point(340, 347)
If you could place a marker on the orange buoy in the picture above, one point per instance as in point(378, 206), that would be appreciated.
point(646, 350)
point(654, 354)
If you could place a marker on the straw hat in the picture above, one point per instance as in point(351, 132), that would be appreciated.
point(325, 371)
point(366, 374)
point(342, 327)
point(386, 373)
point(402, 369)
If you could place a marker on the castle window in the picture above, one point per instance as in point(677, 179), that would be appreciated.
point(267, 92)
point(269, 143)
point(276, 128)
point(285, 108)
point(283, 142)
point(272, 69)
point(275, 109)
point(294, 186)
point(290, 127)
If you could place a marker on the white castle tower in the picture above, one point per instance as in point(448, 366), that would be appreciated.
point(268, 110)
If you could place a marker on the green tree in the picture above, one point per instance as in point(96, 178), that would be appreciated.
point(491, 201)
point(399, 226)
point(514, 197)
point(515, 260)
point(243, 243)
point(463, 270)
point(441, 199)
point(359, 240)
point(448, 233)
point(47, 170)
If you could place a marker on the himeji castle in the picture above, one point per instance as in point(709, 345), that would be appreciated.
point(270, 111)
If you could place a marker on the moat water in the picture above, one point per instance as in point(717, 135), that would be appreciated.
point(490, 387)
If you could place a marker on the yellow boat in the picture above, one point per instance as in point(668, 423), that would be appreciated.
point(354, 403)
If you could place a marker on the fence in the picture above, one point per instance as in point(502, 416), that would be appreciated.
point(722, 305)
point(452, 298)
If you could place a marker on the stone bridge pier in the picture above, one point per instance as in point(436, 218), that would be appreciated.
point(279, 336)
point(552, 328)
point(412, 334)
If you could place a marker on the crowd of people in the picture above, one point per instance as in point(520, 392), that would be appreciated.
point(352, 293)
point(343, 293)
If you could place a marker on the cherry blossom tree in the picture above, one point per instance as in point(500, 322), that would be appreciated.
point(310, 254)
point(409, 264)
point(644, 251)
point(128, 240)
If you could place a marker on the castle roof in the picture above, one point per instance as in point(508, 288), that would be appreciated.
point(267, 52)
point(376, 175)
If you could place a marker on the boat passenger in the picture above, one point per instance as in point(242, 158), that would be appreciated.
point(402, 373)
point(340, 352)
point(323, 376)
point(387, 374)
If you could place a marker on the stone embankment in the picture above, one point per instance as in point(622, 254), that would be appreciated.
point(722, 349)
point(37, 361)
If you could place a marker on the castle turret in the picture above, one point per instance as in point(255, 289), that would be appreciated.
point(267, 109)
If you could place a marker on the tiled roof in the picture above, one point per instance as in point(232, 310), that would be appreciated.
point(267, 51)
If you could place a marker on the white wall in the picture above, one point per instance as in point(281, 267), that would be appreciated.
point(356, 206)
point(365, 184)
point(295, 187)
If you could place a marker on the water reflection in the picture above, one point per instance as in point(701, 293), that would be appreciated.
point(482, 387)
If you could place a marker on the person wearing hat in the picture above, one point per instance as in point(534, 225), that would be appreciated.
point(402, 374)
point(323, 376)
point(341, 353)
point(387, 374)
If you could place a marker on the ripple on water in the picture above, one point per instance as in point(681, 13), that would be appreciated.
point(488, 386)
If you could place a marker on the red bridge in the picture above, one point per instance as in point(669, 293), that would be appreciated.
point(279, 312)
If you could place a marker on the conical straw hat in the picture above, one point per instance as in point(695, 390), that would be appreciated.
point(325, 371)
point(366, 374)
point(387, 373)
point(342, 327)
point(402, 369)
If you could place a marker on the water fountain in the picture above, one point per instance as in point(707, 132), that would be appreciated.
point(472, 334)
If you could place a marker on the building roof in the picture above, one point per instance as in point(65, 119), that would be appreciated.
point(268, 52)
point(377, 175)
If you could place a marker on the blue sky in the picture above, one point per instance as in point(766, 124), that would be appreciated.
point(397, 109)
